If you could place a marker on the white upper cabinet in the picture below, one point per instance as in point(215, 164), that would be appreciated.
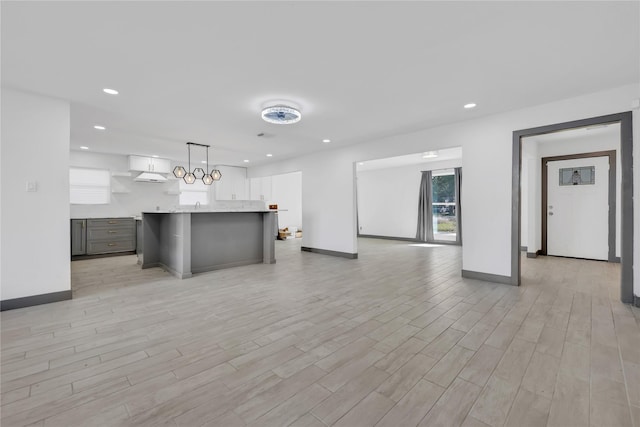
point(260, 188)
point(233, 185)
point(149, 164)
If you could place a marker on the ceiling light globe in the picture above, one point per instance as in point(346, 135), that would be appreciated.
point(207, 179)
point(216, 175)
point(189, 178)
point(179, 172)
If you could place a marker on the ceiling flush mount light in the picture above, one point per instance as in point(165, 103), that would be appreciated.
point(469, 105)
point(198, 173)
point(269, 155)
point(430, 155)
point(246, 161)
point(84, 147)
point(99, 127)
point(110, 91)
point(281, 115)
point(326, 141)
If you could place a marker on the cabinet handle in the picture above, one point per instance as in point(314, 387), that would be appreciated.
point(111, 232)
point(112, 244)
point(112, 222)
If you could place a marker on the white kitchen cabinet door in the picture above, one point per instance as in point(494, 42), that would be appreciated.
point(261, 188)
point(139, 163)
point(160, 165)
point(233, 185)
point(149, 164)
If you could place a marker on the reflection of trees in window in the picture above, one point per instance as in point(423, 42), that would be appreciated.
point(443, 189)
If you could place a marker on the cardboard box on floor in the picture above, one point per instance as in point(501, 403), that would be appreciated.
point(283, 233)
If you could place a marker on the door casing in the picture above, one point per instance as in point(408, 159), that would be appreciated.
point(626, 190)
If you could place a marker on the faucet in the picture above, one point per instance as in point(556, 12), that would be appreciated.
point(197, 204)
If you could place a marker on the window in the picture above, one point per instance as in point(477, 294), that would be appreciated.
point(190, 194)
point(445, 221)
point(89, 186)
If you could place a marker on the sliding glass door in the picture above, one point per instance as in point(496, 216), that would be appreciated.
point(445, 221)
point(439, 211)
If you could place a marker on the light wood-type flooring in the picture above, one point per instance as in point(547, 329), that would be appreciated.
point(394, 338)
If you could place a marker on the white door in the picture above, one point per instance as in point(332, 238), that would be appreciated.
point(578, 214)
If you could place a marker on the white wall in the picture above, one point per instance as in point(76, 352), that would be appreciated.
point(141, 196)
point(286, 191)
point(35, 225)
point(328, 176)
point(388, 198)
point(530, 197)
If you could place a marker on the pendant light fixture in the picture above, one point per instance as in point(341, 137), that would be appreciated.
point(198, 173)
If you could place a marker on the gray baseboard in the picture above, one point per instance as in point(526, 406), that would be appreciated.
point(332, 253)
point(636, 300)
point(616, 260)
point(11, 304)
point(523, 249)
point(532, 254)
point(204, 269)
point(487, 277)
point(402, 239)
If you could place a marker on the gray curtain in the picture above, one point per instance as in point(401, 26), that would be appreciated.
point(457, 173)
point(425, 219)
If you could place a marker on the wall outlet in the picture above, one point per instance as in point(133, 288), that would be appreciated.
point(32, 186)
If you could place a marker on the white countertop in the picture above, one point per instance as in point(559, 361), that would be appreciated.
point(105, 217)
point(208, 211)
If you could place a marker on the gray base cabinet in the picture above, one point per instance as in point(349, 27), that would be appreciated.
point(78, 237)
point(97, 236)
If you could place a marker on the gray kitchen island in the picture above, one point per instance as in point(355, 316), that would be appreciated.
point(189, 242)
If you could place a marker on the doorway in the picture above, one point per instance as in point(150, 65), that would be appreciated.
point(626, 203)
point(579, 206)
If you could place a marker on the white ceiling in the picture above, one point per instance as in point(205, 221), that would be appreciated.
point(201, 71)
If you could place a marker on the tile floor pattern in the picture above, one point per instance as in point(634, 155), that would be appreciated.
point(395, 338)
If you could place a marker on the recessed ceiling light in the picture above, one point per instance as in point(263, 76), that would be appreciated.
point(469, 105)
point(326, 141)
point(246, 161)
point(430, 155)
point(360, 163)
point(204, 162)
point(154, 156)
point(269, 155)
point(99, 127)
point(82, 147)
point(110, 91)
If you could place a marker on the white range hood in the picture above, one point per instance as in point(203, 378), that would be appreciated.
point(150, 177)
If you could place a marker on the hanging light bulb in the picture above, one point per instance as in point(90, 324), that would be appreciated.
point(207, 178)
point(189, 178)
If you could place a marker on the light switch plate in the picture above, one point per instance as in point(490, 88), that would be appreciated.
point(32, 186)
